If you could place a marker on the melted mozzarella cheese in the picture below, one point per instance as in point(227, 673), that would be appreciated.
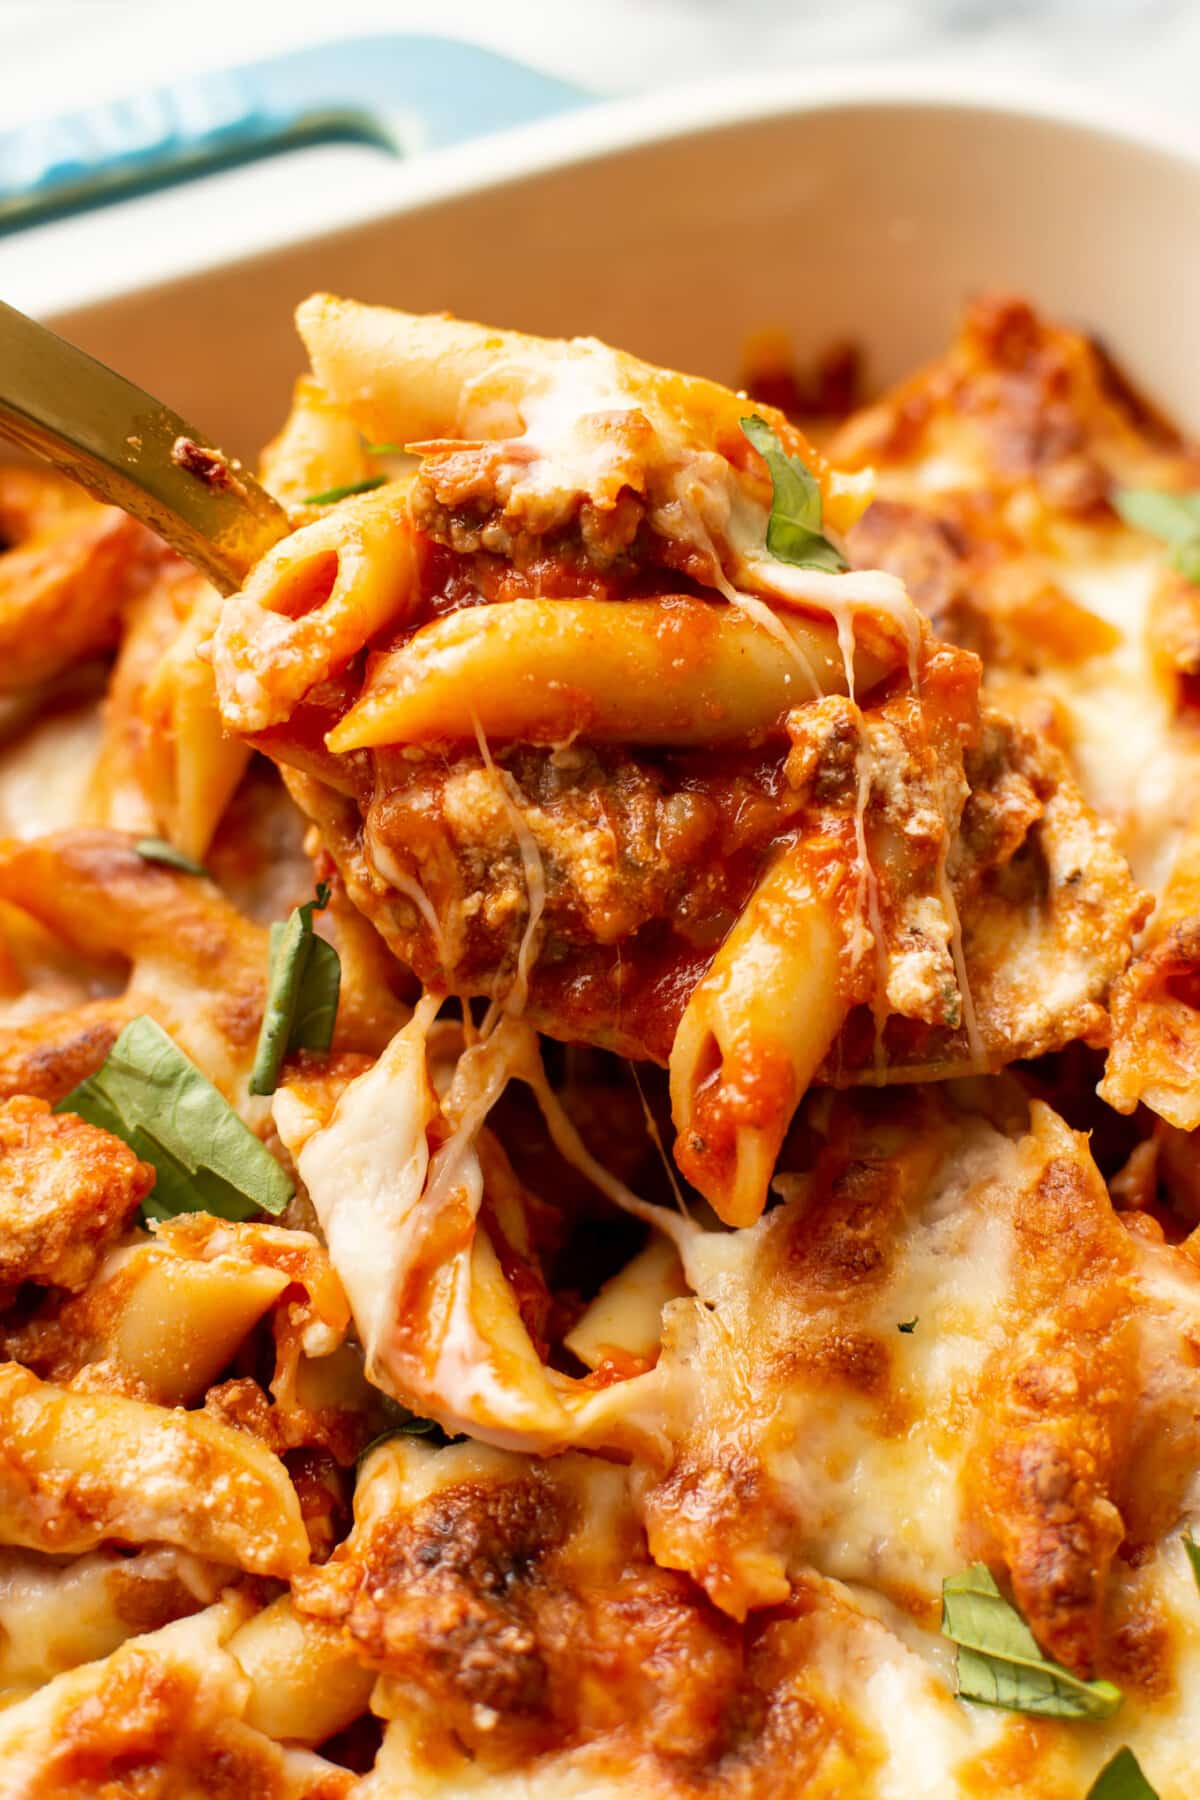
point(1138, 762)
point(45, 772)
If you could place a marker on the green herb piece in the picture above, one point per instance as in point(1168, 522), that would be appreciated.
point(999, 1662)
point(344, 493)
point(1121, 1778)
point(385, 450)
point(158, 850)
point(1175, 518)
point(1193, 1555)
point(1172, 517)
point(909, 1325)
point(303, 984)
point(413, 1426)
point(794, 533)
point(153, 1097)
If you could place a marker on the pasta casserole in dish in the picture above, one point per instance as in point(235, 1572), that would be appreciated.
point(597, 1081)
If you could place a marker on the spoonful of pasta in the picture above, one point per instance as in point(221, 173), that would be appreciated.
point(127, 448)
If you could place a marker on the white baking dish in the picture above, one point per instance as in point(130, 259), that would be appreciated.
point(832, 205)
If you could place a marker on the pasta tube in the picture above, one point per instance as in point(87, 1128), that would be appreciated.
point(76, 1469)
point(310, 604)
point(407, 377)
point(753, 1034)
point(675, 671)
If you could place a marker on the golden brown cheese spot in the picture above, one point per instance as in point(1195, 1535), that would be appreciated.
point(1024, 1762)
point(151, 1730)
point(1055, 1404)
point(66, 1191)
point(776, 1376)
point(1156, 1021)
point(1019, 400)
point(457, 1595)
point(518, 1619)
point(1164, 1447)
point(1139, 1647)
point(48, 1057)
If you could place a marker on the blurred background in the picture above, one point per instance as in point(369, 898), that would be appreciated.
point(107, 58)
point(59, 53)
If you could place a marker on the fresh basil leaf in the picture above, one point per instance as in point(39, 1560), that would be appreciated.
point(794, 533)
point(1121, 1778)
point(1193, 1555)
point(344, 493)
point(999, 1662)
point(1172, 517)
point(153, 1097)
point(385, 450)
point(413, 1426)
point(1175, 518)
point(158, 850)
point(302, 994)
point(909, 1325)
point(317, 1002)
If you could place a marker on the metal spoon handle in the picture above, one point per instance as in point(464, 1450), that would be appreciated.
point(129, 449)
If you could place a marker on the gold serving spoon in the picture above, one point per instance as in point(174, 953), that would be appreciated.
point(129, 449)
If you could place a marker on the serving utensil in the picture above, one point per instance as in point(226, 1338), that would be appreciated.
point(130, 450)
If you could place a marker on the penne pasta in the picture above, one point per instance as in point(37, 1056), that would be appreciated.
point(436, 1249)
point(623, 1325)
point(68, 569)
point(672, 671)
point(55, 1614)
point(319, 448)
point(476, 1452)
point(188, 765)
point(306, 1682)
point(311, 603)
point(407, 377)
point(160, 1327)
point(164, 1712)
point(189, 948)
point(80, 1468)
point(753, 1034)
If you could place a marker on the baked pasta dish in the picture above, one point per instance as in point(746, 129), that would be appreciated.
point(597, 1077)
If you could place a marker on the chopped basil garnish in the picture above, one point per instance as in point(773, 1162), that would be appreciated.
point(344, 493)
point(1121, 1778)
point(413, 1426)
point(794, 533)
point(158, 850)
point(153, 1097)
point(909, 1325)
point(999, 1662)
point(302, 994)
point(1175, 518)
point(385, 450)
point(1193, 1555)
